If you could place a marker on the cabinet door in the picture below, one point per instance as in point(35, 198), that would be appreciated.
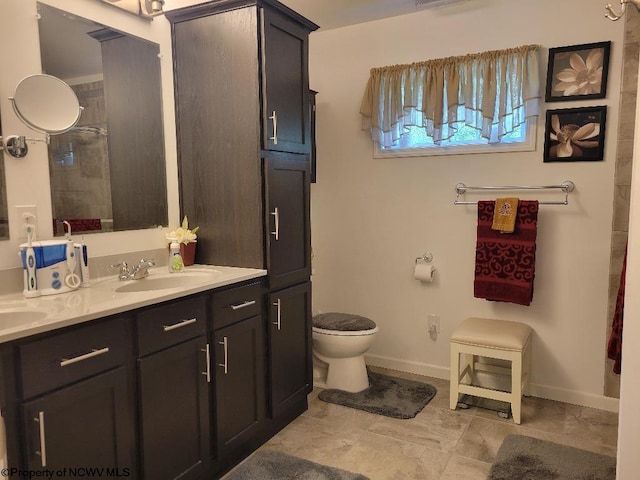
point(288, 232)
point(285, 84)
point(86, 425)
point(174, 410)
point(290, 364)
point(239, 386)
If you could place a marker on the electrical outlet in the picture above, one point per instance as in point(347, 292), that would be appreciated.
point(21, 210)
point(434, 321)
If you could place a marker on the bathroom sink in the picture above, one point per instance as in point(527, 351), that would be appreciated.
point(11, 318)
point(168, 281)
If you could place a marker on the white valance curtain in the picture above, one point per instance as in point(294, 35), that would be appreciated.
point(494, 92)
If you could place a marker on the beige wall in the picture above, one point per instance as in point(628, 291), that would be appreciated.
point(372, 217)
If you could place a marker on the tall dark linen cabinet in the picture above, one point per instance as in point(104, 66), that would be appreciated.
point(244, 144)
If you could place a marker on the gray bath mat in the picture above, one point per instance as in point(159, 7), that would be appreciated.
point(388, 396)
point(273, 465)
point(527, 458)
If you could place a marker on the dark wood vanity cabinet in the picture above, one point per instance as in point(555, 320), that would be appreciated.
point(86, 427)
point(243, 127)
point(73, 394)
point(174, 375)
point(289, 343)
point(238, 372)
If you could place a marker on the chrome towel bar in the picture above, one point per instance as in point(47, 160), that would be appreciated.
point(566, 187)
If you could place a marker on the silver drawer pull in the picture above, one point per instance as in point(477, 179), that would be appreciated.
point(246, 304)
point(276, 223)
point(274, 118)
point(278, 305)
point(225, 346)
point(207, 372)
point(43, 444)
point(183, 323)
point(93, 353)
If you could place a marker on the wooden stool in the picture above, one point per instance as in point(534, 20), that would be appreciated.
point(500, 339)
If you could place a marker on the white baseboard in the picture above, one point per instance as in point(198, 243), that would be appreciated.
point(418, 368)
point(574, 397)
point(535, 390)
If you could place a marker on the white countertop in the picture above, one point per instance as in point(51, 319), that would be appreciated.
point(21, 317)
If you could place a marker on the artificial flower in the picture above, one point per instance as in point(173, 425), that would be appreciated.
point(182, 234)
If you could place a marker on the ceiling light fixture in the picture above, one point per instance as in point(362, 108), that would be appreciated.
point(142, 8)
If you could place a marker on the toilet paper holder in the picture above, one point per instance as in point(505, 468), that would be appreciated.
point(426, 257)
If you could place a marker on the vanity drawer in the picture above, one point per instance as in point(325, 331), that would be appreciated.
point(171, 323)
point(70, 356)
point(235, 304)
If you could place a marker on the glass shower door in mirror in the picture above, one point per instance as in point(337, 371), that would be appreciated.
point(108, 173)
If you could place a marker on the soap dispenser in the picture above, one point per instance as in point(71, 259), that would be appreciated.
point(175, 259)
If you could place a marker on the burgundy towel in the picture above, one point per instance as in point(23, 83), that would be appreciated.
point(505, 263)
point(614, 348)
point(78, 224)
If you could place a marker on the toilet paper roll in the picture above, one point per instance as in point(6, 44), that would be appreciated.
point(424, 272)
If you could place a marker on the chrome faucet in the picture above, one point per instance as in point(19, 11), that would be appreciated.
point(142, 269)
point(134, 273)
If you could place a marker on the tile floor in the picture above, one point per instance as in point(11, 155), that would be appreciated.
point(438, 444)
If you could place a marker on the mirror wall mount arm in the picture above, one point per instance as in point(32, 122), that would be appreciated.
point(16, 146)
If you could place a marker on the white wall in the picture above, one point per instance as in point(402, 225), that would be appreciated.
point(28, 178)
point(372, 217)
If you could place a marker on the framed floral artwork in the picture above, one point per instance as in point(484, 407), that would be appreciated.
point(575, 134)
point(578, 72)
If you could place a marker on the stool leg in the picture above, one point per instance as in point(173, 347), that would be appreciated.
point(516, 387)
point(526, 370)
point(454, 376)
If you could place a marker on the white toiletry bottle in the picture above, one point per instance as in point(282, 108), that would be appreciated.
point(175, 259)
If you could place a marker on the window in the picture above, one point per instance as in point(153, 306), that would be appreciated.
point(467, 140)
point(473, 103)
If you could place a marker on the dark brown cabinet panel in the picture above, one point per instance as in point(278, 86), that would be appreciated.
point(244, 144)
point(174, 412)
point(286, 122)
point(238, 375)
point(218, 108)
point(59, 360)
point(86, 425)
point(289, 343)
point(289, 235)
point(236, 63)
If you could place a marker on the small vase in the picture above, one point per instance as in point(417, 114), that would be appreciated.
point(188, 253)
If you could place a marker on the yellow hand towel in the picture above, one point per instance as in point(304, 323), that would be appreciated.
point(504, 215)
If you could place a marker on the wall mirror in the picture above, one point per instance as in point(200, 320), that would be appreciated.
point(108, 172)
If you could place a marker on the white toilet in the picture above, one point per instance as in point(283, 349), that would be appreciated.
point(339, 343)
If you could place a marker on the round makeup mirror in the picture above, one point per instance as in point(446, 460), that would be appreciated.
point(46, 104)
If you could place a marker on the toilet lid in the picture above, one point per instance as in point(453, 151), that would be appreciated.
point(343, 322)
